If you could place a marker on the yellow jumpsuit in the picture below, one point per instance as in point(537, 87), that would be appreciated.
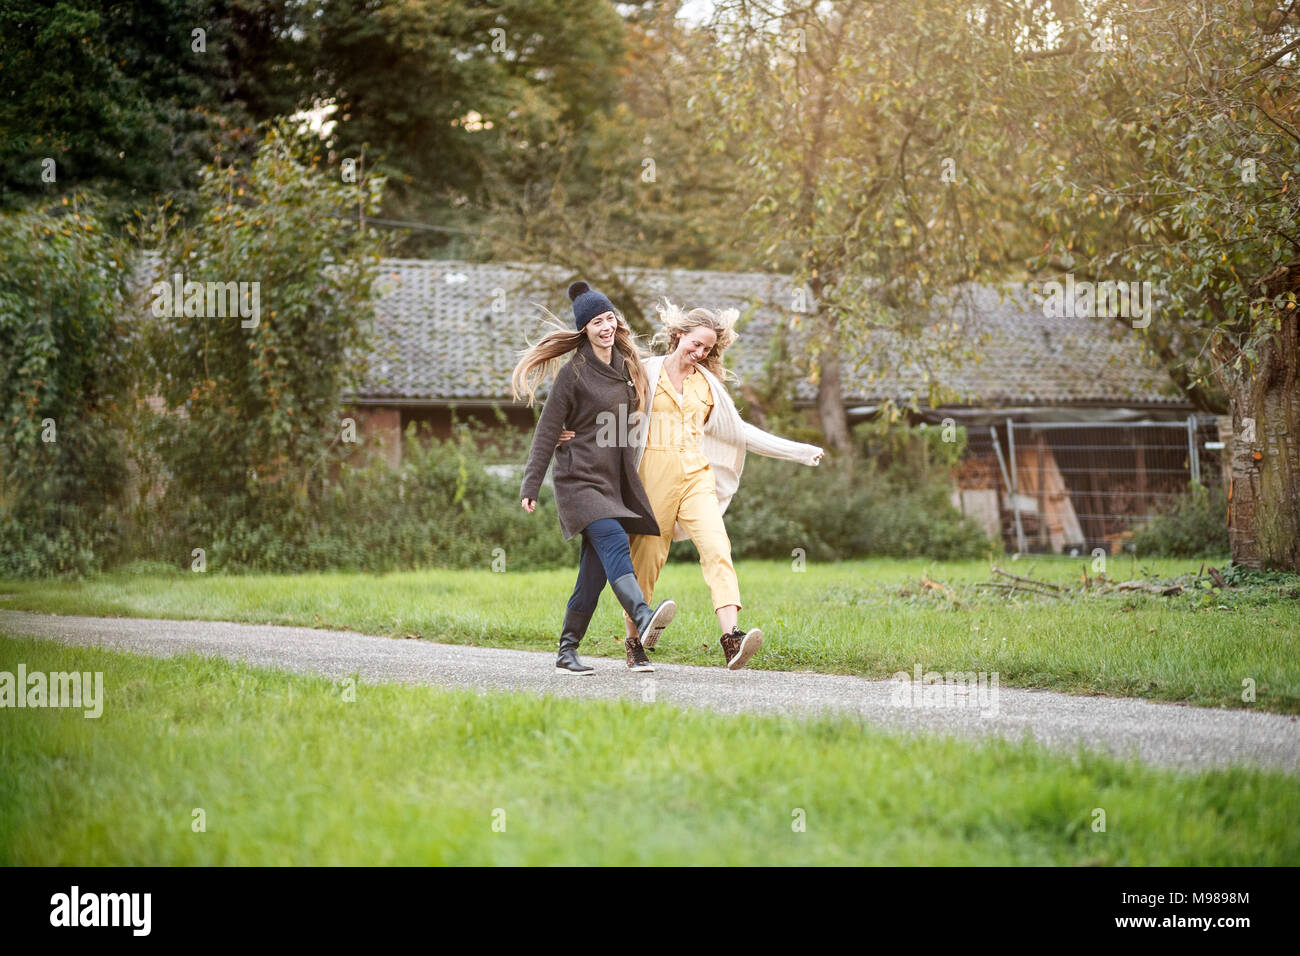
point(679, 483)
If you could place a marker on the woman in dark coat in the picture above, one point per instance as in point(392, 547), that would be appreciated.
point(598, 395)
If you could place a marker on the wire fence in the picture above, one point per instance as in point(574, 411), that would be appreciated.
point(1075, 486)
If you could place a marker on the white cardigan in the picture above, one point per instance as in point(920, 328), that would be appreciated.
point(725, 439)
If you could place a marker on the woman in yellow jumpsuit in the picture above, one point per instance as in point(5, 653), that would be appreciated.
point(679, 483)
point(686, 407)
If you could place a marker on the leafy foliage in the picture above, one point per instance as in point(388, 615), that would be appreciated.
point(1194, 191)
point(645, 182)
point(1193, 194)
point(252, 414)
point(64, 373)
point(1192, 527)
point(440, 509)
point(442, 92)
point(115, 93)
point(895, 506)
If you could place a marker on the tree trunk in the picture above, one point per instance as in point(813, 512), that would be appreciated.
point(1264, 489)
point(830, 397)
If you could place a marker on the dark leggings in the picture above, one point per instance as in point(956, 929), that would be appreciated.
point(606, 556)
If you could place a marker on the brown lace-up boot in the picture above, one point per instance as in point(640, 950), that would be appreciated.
point(636, 658)
point(738, 647)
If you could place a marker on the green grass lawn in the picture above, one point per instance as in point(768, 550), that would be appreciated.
point(287, 771)
point(868, 617)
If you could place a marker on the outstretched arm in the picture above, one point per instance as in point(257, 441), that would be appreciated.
point(549, 425)
point(773, 446)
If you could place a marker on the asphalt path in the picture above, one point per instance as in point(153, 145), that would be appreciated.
point(1161, 734)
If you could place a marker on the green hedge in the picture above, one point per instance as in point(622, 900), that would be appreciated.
point(833, 515)
point(894, 503)
point(443, 508)
point(64, 378)
point(1194, 526)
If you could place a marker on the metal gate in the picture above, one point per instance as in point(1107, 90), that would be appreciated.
point(1076, 486)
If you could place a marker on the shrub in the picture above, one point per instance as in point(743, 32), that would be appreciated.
point(1192, 527)
point(441, 508)
point(260, 401)
point(894, 503)
point(64, 356)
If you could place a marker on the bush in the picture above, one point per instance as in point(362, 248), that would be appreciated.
point(259, 403)
point(58, 540)
point(64, 360)
point(441, 508)
point(895, 503)
point(1193, 527)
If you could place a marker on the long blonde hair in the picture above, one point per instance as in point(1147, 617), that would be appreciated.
point(676, 322)
point(541, 361)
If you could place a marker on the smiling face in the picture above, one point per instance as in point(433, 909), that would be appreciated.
point(600, 330)
point(695, 344)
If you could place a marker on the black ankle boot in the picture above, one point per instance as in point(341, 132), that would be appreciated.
point(649, 624)
point(575, 627)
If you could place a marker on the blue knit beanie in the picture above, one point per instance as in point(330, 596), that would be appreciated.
point(587, 303)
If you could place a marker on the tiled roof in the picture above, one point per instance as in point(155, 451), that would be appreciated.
point(452, 331)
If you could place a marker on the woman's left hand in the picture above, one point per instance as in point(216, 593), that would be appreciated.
point(818, 457)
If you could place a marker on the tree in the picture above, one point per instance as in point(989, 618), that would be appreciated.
point(869, 149)
point(273, 328)
point(135, 98)
point(129, 98)
point(71, 109)
point(438, 90)
point(1168, 150)
point(646, 182)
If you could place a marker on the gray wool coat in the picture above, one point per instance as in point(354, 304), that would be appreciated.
point(591, 482)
